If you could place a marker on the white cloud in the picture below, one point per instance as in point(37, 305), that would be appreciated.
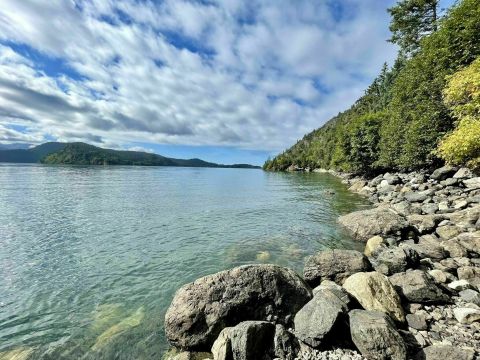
point(226, 72)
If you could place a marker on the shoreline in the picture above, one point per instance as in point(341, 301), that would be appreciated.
point(414, 291)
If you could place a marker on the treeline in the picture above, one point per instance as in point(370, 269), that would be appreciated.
point(418, 113)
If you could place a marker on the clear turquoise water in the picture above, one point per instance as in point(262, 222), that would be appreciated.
point(90, 256)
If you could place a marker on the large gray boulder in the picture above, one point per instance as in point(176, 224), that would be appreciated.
point(200, 310)
point(335, 265)
point(365, 224)
point(436, 352)
point(443, 173)
point(374, 334)
point(394, 260)
point(374, 292)
point(418, 287)
point(322, 320)
point(285, 344)
point(246, 341)
point(425, 223)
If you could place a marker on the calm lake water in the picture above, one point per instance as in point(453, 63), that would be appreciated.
point(90, 257)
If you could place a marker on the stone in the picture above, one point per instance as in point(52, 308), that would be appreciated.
point(463, 173)
point(416, 321)
point(201, 310)
point(335, 265)
point(322, 320)
point(365, 224)
point(330, 287)
point(252, 340)
point(471, 274)
point(470, 241)
point(428, 246)
point(443, 173)
point(461, 204)
point(473, 183)
point(439, 276)
point(447, 232)
point(285, 345)
point(375, 292)
point(392, 179)
point(454, 248)
point(470, 296)
point(431, 208)
point(425, 223)
point(446, 352)
point(357, 186)
point(173, 354)
point(466, 315)
point(416, 196)
point(394, 260)
point(419, 287)
point(459, 285)
point(374, 244)
point(222, 347)
point(374, 334)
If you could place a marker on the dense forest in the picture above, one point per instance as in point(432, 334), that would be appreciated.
point(85, 154)
point(420, 112)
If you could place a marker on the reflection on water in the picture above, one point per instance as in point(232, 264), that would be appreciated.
point(90, 257)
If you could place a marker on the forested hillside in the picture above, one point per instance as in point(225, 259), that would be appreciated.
point(419, 112)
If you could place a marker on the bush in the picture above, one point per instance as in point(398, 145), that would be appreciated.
point(462, 96)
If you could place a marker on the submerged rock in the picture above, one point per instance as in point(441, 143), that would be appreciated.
point(375, 292)
point(365, 224)
point(335, 265)
point(374, 334)
point(200, 310)
point(112, 332)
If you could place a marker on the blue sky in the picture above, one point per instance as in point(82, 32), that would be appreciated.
point(224, 80)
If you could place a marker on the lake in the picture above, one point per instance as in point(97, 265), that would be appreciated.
point(90, 257)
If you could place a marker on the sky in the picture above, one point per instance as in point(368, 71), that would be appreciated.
point(229, 81)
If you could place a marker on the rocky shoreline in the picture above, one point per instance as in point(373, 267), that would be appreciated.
point(412, 294)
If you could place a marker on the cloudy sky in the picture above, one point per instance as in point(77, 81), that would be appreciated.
point(224, 80)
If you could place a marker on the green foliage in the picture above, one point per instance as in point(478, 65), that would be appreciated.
point(462, 95)
point(411, 21)
point(406, 102)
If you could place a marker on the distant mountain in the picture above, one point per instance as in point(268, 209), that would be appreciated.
point(32, 155)
point(84, 154)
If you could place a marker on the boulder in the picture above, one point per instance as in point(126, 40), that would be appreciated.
point(465, 218)
point(436, 352)
point(374, 245)
point(335, 265)
point(200, 310)
point(470, 296)
point(374, 334)
point(425, 223)
point(454, 248)
point(470, 241)
point(416, 196)
point(417, 321)
point(322, 320)
point(463, 173)
point(222, 347)
point(443, 173)
point(429, 246)
point(448, 231)
point(473, 183)
point(419, 287)
point(470, 274)
point(285, 344)
point(459, 285)
point(172, 354)
point(394, 260)
point(365, 224)
point(252, 340)
point(357, 186)
point(375, 292)
point(466, 315)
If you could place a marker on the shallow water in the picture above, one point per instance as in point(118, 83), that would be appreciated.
point(90, 256)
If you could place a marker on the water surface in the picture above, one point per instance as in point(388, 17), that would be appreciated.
point(90, 256)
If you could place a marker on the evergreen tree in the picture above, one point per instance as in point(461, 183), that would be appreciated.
point(411, 21)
